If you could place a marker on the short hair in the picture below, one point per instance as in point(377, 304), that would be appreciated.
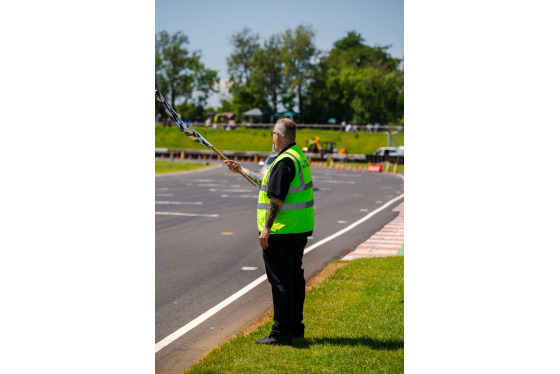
point(286, 129)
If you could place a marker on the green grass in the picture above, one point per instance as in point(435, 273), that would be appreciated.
point(175, 166)
point(354, 324)
point(243, 139)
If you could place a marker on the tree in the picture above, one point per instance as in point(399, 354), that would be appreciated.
point(240, 67)
point(179, 72)
point(299, 51)
point(239, 62)
point(358, 83)
point(352, 81)
point(275, 73)
point(267, 73)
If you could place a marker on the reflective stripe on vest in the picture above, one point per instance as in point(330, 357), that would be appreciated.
point(308, 204)
point(297, 212)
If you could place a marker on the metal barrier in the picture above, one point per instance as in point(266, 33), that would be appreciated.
point(250, 156)
point(381, 158)
point(324, 126)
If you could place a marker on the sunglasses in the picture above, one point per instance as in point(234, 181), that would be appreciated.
point(272, 133)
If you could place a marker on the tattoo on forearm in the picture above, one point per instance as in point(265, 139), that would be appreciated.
point(273, 209)
point(255, 177)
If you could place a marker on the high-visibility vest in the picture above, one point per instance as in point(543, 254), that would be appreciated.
point(297, 212)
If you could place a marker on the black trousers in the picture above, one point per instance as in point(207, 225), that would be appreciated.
point(283, 260)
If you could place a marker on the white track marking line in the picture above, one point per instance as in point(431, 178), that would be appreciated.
point(373, 253)
point(227, 190)
point(180, 202)
point(389, 241)
point(380, 245)
point(337, 181)
point(204, 316)
point(241, 196)
point(186, 214)
point(222, 181)
point(183, 172)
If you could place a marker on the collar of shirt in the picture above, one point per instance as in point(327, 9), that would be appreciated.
point(286, 148)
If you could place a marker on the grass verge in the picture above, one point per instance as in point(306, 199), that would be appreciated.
point(354, 324)
point(175, 166)
point(259, 140)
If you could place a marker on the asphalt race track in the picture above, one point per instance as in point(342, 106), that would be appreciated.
point(206, 248)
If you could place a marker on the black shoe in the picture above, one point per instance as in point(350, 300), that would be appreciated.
point(277, 340)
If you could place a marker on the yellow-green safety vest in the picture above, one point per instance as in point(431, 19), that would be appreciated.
point(297, 212)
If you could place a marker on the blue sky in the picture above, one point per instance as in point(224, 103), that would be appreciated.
point(209, 23)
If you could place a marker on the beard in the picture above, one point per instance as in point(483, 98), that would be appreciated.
point(274, 147)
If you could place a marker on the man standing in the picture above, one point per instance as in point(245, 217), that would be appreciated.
point(285, 219)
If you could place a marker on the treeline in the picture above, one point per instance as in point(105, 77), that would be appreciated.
point(352, 82)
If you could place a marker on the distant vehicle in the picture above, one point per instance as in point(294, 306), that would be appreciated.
point(269, 160)
point(390, 151)
point(314, 145)
point(386, 151)
point(387, 154)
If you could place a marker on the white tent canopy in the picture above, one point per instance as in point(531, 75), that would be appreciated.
point(255, 112)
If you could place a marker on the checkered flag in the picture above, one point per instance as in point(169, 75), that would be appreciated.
point(185, 128)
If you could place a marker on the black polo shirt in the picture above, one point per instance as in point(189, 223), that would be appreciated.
point(279, 179)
